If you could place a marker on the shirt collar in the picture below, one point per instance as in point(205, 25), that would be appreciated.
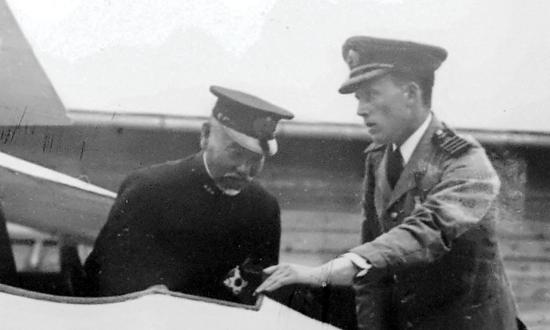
point(206, 165)
point(407, 148)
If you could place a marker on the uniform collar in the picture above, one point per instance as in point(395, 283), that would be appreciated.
point(203, 156)
point(407, 148)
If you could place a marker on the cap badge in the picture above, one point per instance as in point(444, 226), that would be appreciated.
point(352, 58)
point(223, 118)
point(264, 128)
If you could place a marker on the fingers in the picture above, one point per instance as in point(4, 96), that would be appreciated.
point(271, 284)
point(266, 286)
point(279, 277)
point(271, 269)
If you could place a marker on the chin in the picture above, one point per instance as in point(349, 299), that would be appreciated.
point(379, 140)
point(231, 192)
point(233, 185)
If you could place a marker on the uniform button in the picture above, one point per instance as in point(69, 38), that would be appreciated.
point(394, 215)
point(395, 278)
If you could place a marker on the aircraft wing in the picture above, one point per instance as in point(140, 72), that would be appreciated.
point(155, 308)
point(52, 202)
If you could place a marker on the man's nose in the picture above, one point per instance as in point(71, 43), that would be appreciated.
point(363, 109)
point(244, 168)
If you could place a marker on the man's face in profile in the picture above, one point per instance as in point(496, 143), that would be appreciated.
point(383, 107)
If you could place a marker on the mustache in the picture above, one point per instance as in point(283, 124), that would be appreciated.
point(237, 176)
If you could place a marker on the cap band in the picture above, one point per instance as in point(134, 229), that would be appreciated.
point(249, 142)
point(368, 67)
point(257, 124)
point(352, 84)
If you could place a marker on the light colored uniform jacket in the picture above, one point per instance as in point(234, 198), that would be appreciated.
point(432, 241)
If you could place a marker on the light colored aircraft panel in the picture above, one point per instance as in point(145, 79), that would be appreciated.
point(27, 96)
point(155, 308)
point(50, 201)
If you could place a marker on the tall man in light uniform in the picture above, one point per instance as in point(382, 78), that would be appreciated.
point(429, 258)
point(193, 224)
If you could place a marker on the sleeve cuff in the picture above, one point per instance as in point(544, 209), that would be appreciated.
point(371, 253)
point(358, 262)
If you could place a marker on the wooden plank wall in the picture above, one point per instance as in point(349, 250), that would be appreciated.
point(318, 184)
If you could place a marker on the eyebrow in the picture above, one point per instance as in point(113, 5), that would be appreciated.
point(366, 90)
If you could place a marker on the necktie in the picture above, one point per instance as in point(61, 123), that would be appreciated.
point(394, 166)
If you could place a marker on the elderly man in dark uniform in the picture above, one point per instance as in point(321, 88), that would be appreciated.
point(193, 224)
point(429, 258)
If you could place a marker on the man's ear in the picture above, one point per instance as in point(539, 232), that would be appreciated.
point(205, 134)
point(412, 92)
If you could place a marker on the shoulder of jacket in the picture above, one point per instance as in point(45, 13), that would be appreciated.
point(258, 192)
point(158, 175)
point(136, 180)
point(451, 143)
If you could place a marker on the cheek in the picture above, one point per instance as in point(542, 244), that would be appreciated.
point(383, 115)
point(257, 168)
point(393, 115)
point(405, 116)
point(219, 163)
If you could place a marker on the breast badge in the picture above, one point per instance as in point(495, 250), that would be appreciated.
point(234, 281)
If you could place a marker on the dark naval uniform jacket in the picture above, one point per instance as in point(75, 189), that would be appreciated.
point(171, 225)
point(432, 240)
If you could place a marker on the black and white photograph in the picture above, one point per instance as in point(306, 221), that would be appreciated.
point(274, 164)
